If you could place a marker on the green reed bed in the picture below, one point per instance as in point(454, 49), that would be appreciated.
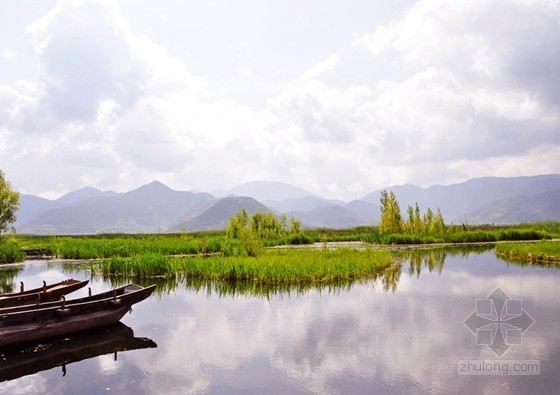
point(103, 247)
point(10, 252)
point(141, 266)
point(272, 267)
point(542, 251)
point(287, 266)
point(469, 236)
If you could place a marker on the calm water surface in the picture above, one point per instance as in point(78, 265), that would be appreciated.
point(403, 334)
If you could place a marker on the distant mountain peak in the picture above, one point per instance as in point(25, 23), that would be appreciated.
point(154, 186)
point(267, 190)
point(81, 195)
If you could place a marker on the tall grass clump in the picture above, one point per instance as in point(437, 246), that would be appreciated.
point(10, 252)
point(123, 246)
point(140, 266)
point(289, 266)
point(542, 251)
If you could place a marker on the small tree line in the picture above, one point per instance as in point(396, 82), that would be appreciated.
point(415, 223)
point(252, 230)
point(9, 204)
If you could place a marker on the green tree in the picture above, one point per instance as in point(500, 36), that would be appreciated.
point(236, 223)
point(414, 224)
point(429, 221)
point(390, 213)
point(9, 204)
point(295, 225)
point(266, 225)
point(439, 224)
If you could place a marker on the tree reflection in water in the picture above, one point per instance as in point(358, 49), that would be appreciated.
point(7, 278)
point(432, 258)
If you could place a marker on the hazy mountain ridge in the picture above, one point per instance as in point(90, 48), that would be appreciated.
point(525, 208)
point(217, 216)
point(154, 207)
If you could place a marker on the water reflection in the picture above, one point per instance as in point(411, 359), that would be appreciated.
point(416, 259)
point(19, 361)
point(524, 262)
point(434, 258)
point(397, 334)
point(360, 340)
point(253, 289)
point(7, 278)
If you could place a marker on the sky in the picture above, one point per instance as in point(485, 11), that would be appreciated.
point(339, 98)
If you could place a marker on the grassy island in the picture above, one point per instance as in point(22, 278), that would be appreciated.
point(271, 267)
point(539, 252)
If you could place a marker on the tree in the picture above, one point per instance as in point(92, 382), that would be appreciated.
point(295, 225)
point(9, 204)
point(236, 223)
point(414, 224)
point(429, 221)
point(439, 224)
point(390, 213)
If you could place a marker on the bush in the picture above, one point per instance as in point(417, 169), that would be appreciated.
point(299, 239)
point(10, 252)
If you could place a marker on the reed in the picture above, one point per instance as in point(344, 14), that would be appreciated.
point(127, 246)
point(271, 267)
point(542, 251)
point(140, 266)
point(288, 266)
point(10, 252)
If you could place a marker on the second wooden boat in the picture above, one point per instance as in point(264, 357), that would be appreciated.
point(40, 295)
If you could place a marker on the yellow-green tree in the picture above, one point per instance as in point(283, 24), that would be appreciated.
point(391, 221)
point(439, 224)
point(9, 204)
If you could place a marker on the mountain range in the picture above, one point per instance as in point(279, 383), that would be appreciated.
point(154, 207)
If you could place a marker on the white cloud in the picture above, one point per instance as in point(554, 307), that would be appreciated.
point(445, 88)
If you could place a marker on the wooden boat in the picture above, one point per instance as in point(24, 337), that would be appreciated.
point(29, 323)
point(23, 360)
point(40, 295)
point(100, 296)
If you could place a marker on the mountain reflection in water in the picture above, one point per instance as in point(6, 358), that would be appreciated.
point(402, 332)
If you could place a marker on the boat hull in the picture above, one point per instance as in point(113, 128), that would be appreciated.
point(41, 295)
point(35, 324)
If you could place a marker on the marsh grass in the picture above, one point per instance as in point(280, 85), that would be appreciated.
point(288, 266)
point(100, 247)
point(542, 251)
point(141, 266)
point(10, 252)
point(271, 267)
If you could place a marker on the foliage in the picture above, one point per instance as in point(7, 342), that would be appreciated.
point(390, 213)
point(140, 266)
point(428, 223)
point(252, 232)
point(10, 252)
point(271, 267)
point(9, 204)
point(291, 266)
point(542, 251)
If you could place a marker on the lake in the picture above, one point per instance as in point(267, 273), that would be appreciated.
point(405, 333)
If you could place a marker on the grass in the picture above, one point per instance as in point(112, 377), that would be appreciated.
point(122, 245)
point(10, 252)
point(543, 251)
point(456, 237)
point(101, 247)
point(272, 267)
